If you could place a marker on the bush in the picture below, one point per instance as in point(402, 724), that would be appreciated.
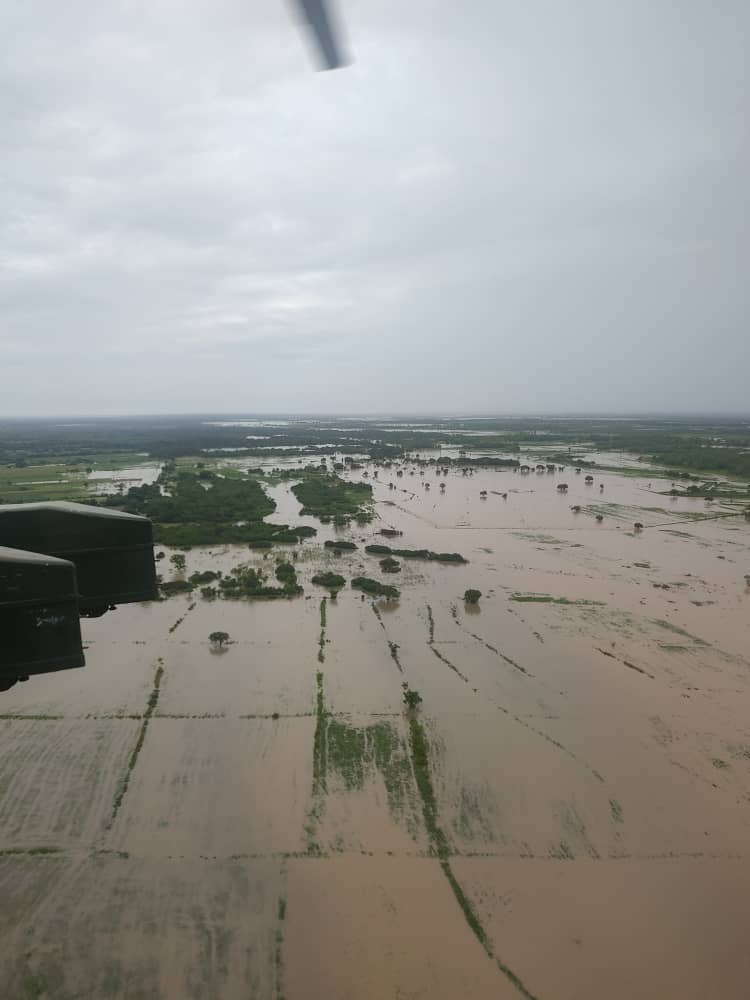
point(286, 574)
point(325, 495)
point(339, 546)
point(249, 582)
point(390, 565)
point(412, 699)
point(331, 581)
point(451, 557)
point(472, 596)
point(170, 587)
point(208, 576)
point(375, 588)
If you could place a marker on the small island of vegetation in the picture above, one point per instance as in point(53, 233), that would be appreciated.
point(375, 589)
point(385, 550)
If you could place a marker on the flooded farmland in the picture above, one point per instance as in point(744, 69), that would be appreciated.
point(565, 817)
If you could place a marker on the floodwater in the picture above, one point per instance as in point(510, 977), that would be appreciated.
point(177, 821)
point(106, 481)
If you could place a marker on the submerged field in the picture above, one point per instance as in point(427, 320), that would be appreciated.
point(566, 815)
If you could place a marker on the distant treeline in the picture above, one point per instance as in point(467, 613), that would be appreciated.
point(678, 442)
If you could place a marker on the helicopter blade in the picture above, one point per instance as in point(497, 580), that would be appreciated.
point(318, 17)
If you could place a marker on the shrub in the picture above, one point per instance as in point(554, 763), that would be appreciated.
point(412, 699)
point(375, 588)
point(390, 565)
point(331, 581)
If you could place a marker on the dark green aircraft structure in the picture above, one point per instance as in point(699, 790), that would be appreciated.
point(60, 562)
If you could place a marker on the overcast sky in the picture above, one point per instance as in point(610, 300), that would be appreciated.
point(498, 207)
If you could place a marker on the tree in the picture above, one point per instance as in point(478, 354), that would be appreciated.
point(331, 581)
point(412, 699)
point(219, 639)
point(472, 596)
point(390, 565)
point(178, 561)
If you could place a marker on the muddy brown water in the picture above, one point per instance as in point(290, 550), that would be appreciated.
point(181, 822)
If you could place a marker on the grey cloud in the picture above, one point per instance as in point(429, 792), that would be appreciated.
point(496, 207)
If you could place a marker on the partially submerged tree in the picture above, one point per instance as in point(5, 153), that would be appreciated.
point(472, 596)
point(375, 589)
point(219, 639)
point(331, 581)
point(412, 699)
point(390, 565)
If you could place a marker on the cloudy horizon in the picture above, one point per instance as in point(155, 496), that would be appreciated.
point(507, 208)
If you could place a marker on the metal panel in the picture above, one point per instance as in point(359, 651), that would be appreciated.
point(112, 551)
point(39, 626)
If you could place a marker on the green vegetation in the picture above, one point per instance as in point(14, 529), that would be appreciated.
point(322, 639)
point(472, 596)
point(26, 447)
point(169, 588)
point(340, 546)
point(29, 851)
point(421, 765)
point(440, 846)
point(331, 581)
point(430, 626)
point(549, 599)
point(374, 588)
point(351, 755)
point(385, 550)
point(393, 647)
point(151, 704)
point(390, 532)
point(207, 508)
point(219, 639)
point(390, 565)
point(245, 581)
point(286, 574)
point(325, 495)
point(412, 699)
point(207, 576)
point(705, 457)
